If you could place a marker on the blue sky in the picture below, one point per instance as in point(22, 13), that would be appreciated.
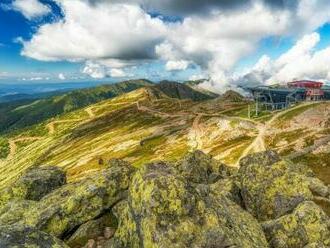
point(170, 43)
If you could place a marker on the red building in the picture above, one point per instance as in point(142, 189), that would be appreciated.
point(313, 89)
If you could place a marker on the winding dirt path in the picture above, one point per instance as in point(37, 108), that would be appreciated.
point(258, 144)
point(156, 112)
point(13, 146)
point(197, 132)
point(51, 125)
point(90, 112)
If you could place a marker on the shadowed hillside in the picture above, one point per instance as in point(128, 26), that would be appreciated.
point(181, 91)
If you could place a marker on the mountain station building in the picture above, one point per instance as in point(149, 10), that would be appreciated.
point(279, 97)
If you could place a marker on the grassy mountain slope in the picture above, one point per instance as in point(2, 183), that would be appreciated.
point(139, 126)
point(181, 91)
point(40, 110)
point(195, 84)
point(146, 124)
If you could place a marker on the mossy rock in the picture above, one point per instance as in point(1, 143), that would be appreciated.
point(317, 187)
point(307, 226)
point(163, 209)
point(15, 236)
point(15, 210)
point(271, 190)
point(34, 184)
point(262, 158)
point(227, 188)
point(65, 209)
point(197, 167)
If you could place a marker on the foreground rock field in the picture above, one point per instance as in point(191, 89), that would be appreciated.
point(195, 202)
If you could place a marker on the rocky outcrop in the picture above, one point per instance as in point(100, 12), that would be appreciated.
point(15, 210)
point(307, 225)
point(317, 187)
point(269, 188)
point(196, 202)
point(164, 209)
point(200, 168)
point(22, 236)
point(74, 204)
point(279, 193)
point(34, 184)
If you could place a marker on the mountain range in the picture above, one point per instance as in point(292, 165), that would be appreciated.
point(142, 122)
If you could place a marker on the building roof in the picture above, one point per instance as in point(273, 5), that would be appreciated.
point(305, 84)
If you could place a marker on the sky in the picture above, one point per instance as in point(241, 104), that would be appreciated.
point(229, 43)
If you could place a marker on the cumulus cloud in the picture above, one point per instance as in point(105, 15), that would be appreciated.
point(201, 7)
point(196, 77)
point(177, 65)
point(114, 72)
point(99, 71)
point(110, 35)
point(107, 30)
point(3, 74)
point(61, 76)
point(30, 9)
point(299, 62)
point(94, 70)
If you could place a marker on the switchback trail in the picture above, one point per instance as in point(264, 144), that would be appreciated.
point(90, 112)
point(13, 146)
point(51, 126)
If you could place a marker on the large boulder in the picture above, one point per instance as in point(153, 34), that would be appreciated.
point(270, 188)
point(317, 187)
point(21, 236)
point(34, 184)
point(15, 210)
point(65, 209)
point(198, 167)
point(307, 226)
point(164, 209)
point(228, 188)
point(262, 158)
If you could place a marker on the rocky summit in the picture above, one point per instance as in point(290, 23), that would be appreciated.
point(195, 202)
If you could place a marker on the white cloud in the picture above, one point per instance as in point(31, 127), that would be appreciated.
point(299, 62)
point(36, 79)
point(177, 65)
point(3, 74)
point(116, 31)
point(99, 71)
point(94, 70)
point(61, 76)
point(30, 8)
point(110, 35)
point(117, 73)
point(197, 77)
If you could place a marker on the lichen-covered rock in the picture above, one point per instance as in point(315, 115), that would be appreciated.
point(15, 210)
point(34, 184)
point(306, 226)
point(91, 230)
point(197, 167)
point(262, 158)
point(301, 169)
point(269, 187)
point(164, 210)
point(27, 237)
point(74, 204)
point(317, 187)
point(228, 188)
